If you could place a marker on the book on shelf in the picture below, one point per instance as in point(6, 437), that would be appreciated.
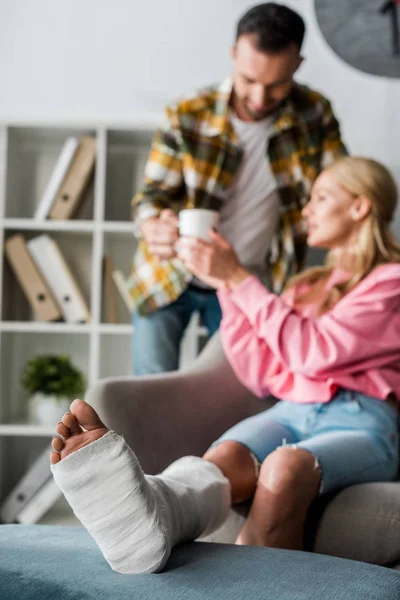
point(110, 292)
point(120, 282)
point(26, 489)
point(56, 272)
point(58, 174)
point(71, 191)
point(34, 286)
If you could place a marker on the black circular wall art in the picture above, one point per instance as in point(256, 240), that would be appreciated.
point(364, 33)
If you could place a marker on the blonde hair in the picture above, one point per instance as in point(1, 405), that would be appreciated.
point(375, 245)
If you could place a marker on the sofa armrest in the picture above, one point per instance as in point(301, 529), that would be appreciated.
point(360, 522)
point(163, 417)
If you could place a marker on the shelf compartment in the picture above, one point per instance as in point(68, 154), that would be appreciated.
point(31, 158)
point(76, 248)
point(17, 455)
point(16, 349)
point(120, 247)
point(127, 153)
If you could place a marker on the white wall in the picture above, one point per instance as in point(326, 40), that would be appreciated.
point(106, 61)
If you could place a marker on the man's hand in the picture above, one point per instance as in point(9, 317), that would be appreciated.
point(161, 233)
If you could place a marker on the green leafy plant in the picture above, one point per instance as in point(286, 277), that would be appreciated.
point(53, 375)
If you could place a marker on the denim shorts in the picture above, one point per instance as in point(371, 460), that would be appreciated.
point(354, 437)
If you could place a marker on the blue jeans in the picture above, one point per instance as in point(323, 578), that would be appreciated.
point(157, 336)
point(354, 437)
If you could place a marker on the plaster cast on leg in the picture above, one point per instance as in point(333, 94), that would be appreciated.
point(137, 519)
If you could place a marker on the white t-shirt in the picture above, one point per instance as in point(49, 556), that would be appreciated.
point(249, 214)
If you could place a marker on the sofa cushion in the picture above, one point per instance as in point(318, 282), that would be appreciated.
point(47, 562)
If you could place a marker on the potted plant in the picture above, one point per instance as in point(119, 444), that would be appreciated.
point(52, 382)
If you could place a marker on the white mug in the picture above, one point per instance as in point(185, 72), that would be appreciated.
point(197, 222)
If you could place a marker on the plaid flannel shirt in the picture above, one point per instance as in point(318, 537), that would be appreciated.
point(193, 160)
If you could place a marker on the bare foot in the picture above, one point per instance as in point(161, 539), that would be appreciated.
point(71, 428)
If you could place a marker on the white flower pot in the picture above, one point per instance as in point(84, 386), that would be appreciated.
point(47, 410)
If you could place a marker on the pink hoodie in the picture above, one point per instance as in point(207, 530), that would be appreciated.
point(304, 358)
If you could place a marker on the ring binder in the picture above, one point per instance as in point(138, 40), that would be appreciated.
point(34, 286)
point(76, 180)
point(57, 177)
point(51, 263)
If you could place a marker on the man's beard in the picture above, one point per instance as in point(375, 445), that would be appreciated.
point(259, 115)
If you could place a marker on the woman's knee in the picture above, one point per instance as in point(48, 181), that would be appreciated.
point(238, 465)
point(291, 469)
point(229, 453)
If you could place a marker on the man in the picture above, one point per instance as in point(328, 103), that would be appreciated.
point(250, 148)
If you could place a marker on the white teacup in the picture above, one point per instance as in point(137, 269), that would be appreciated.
point(197, 222)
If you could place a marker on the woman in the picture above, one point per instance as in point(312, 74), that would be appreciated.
point(328, 349)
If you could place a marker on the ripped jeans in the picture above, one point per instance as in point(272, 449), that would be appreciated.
point(353, 437)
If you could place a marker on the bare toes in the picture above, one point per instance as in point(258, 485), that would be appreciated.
point(63, 430)
point(86, 415)
point(71, 423)
point(54, 458)
point(57, 444)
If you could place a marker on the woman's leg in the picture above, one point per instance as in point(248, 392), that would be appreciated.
point(135, 519)
point(288, 483)
point(353, 439)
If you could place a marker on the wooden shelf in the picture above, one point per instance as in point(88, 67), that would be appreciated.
point(72, 226)
point(117, 227)
point(40, 327)
point(26, 430)
point(116, 329)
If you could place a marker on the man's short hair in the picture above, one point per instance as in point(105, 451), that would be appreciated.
point(274, 27)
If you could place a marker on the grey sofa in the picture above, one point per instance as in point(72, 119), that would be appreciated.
point(164, 417)
point(167, 416)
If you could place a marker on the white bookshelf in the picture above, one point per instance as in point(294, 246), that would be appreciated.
point(28, 154)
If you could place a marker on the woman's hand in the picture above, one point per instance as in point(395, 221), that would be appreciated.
point(215, 262)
